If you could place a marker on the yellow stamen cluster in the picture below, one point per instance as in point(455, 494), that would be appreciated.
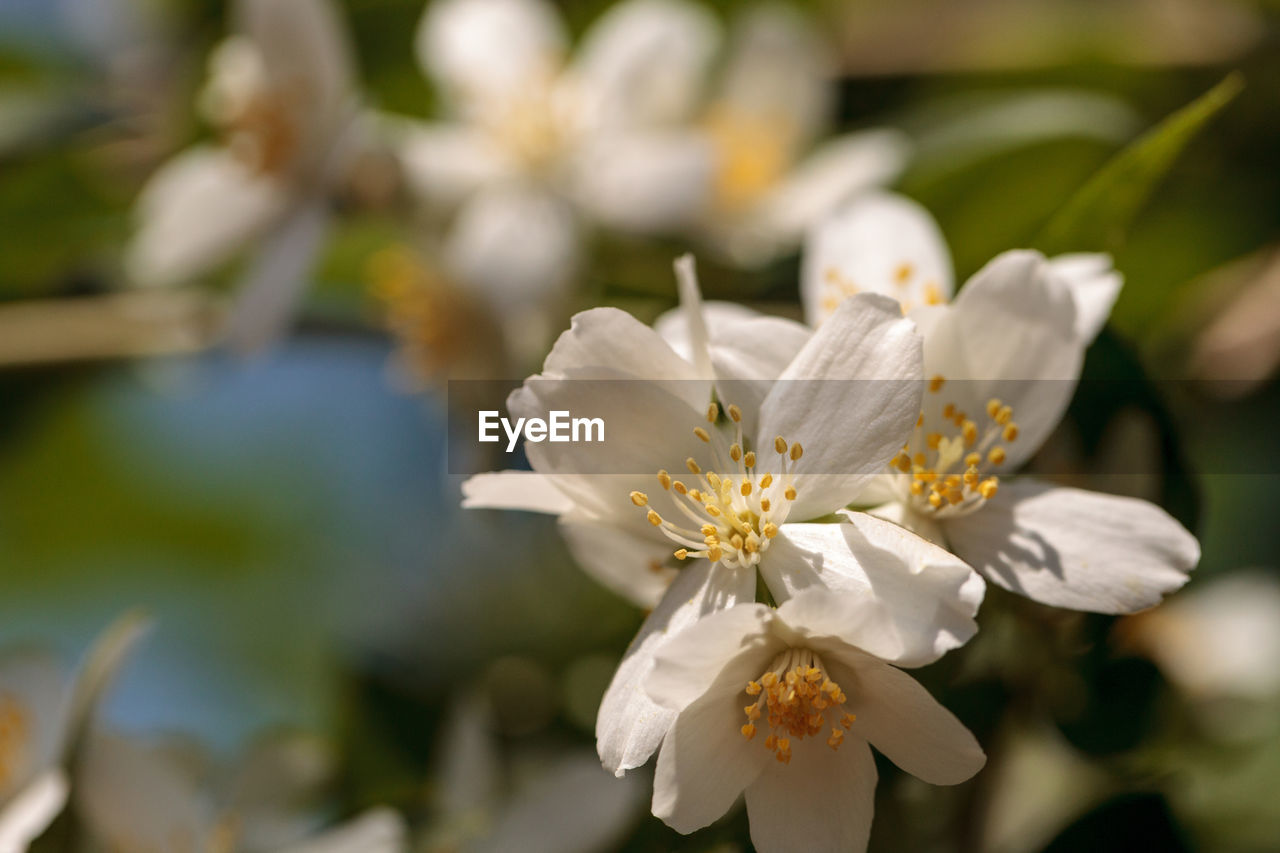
point(796, 699)
point(755, 152)
point(945, 466)
point(15, 732)
point(734, 515)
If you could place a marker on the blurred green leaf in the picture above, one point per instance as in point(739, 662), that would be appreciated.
point(1098, 215)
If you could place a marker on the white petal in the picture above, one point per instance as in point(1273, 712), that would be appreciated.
point(518, 245)
point(674, 326)
point(651, 182)
point(28, 814)
point(445, 163)
point(305, 46)
point(479, 50)
point(822, 801)
point(929, 596)
point(631, 564)
point(375, 831)
point(1095, 284)
point(903, 721)
point(525, 490)
point(273, 286)
point(848, 398)
point(645, 62)
point(573, 807)
point(1076, 549)
point(690, 662)
point(834, 173)
point(630, 725)
point(132, 795)
point(196, 212)
point(705, 762)
point(780, 70)
point(1010, 335)
point(880, 243)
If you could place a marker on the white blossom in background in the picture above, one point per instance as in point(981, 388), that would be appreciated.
point(781, 705)
point(282, 98)
point(491, 801)
point(1003, 359)
point(537, 143)
point(43, 707)
point(732, 490)
point(161, 795)
point(778, 168)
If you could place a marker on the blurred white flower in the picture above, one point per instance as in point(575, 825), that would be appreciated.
point(760, 472)
point(43, 708)
point(153, 797)
point(782, 704)
point(778, 173)
point(536, 144)
point(282, 96)
point(1221, 639)
point(1003, 360)
point(557, 803)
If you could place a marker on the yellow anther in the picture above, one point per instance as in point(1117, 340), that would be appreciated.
point(748, 731)
point(935, 500)
point(766, 481)
point(639, 498)
point(837, 735)
point(993, 407)
point(707, 530)
point(654, 518)
point(917, 488)
point(903, 273)
point(902, 462)
point(1011, 432)
point(745, 489)
point(770, 530)
point(790, 493)
point(682, 553)
point(711, 509)
point(735, 414)
point(749, 459)
point(954, 496)
point(713, 413)
point(847, 720)
point(972, 460)
point(735, 452)
point(679, 488)
point(936, 383)
point(754, 688)
point(996, 456)
point(796, 452)
point(764, 504)
point(949, 411)
point(714, 553)
point(933, 294)
point(769, 679)
point(989, 488)
point(702, 434)
point(665, 479)
point(971, 477)
point(692, 466)
point(920, 420)
point(918, 459)
point(1004, 415)
point(933, 439)
point(970, 432)
point(714, 479)
point(736, 541)
point(780, 445)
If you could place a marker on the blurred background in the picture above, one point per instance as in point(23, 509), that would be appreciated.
point(289, 521)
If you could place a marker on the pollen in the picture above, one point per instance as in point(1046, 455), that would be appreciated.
point(797, 699)
point(936, 383)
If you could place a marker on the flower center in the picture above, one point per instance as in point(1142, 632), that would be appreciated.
point(15, 731)
point(736, 513)
point(255, 115)
point(533, 126)
point(944, 469)
point(755, 152)
point(796, 699)
point(909, 288)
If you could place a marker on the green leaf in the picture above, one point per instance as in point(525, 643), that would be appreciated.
point(1098, 215)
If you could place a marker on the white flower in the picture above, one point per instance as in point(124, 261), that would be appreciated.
point(282, 96)
point(782, 704)
point(733, 489)
point(42, 709)
point(148, 797)
point(777, 174)
point(537, 141)
point(1003, 360)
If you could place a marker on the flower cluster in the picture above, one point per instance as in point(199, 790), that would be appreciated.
point(805, 509)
